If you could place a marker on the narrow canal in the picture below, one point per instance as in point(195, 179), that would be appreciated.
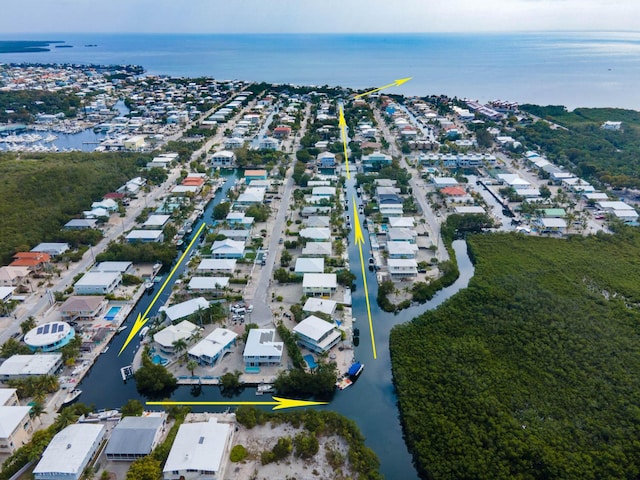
point(371, 402)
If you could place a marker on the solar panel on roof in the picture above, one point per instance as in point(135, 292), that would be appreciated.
point(46, 329)
point(39, 331)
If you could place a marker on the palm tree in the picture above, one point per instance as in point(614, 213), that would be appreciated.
point(191, 366)
point(65, 418)
point(179, 346)
point(37, 409)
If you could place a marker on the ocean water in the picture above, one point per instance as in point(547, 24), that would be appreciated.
point(571, 69)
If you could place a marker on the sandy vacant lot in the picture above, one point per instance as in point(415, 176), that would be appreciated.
point(261, 438)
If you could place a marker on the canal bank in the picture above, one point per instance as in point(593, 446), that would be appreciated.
point(371, 402)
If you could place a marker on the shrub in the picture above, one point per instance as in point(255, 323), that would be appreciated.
point(238, 453)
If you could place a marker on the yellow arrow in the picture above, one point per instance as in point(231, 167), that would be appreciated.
point(359, 238)
point(343, 128)
point(398, 82)
point(142, 317)
point(278, 403)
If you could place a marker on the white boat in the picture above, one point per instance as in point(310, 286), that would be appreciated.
point(148, 285)
point(264, 388)
point(106, 349)
point(344, 382)
point(71, 397)
point(122, 328)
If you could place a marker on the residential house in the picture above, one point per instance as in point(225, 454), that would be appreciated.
point(442, 182)
point(255, 175)
point(15, 427)
point(69, 452)
point(156, 222)
point(22, 366)
point(53, 249)
point(316, 234)
point(33, 260)
point(213, 347)
point(375, 161)
point(120, 267)
point(81, 224)
point(402, 268)
point(309, 265)
point(100, 283)
point(13, 276)
point(401, 235)
point(282, 131)
point(320, 305)
point(166, 338)
point(326, 160)
point(223, 158)
point(268, 143)
point(135, 437)
point(262, 349)
point(145, 236)
point(316, 334)
point(82, 307)
point(251, 196)
point(402, 249)
point(402, 222)
point(235, 219)
point(317, 249)
point(184, 309)
point(324, 192)
point(233, 143)
point(317, 221)
point(237, 235)
point(212, 285)
point(553, 224)
point(199, 451)
point(217, 265)
point(319, 284)
point(227, 249)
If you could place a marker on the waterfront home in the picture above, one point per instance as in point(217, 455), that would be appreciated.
point(317, 249)
point(319, 284)
point(166, 338)
point(213, 347)
point(237, 235)
point(69, 452)
point(320, 305)
point(227, 249)
point(136, 437)
point(316, 334)
point(33, 260)
point(262, 349)
point(326, 160)
point(114, 266)
point(184, 190)
point(156, 222)
point(309, 265)
point(38, 364)
point(221, 265)
point(213, 285)
point(391, 211)
point(223, 158)
point(323, 192)
point(402, 249)
point(49, 337)
point(268, 144)
point(15, 427)
point(145, 236)
point(184, 309)
point(251, 196)
point(13, 276)
point(9, 397)
point(53, 249)
point(402, 268)
point(235, 219)
point(317, 221)
point(100, 283)
point(314, 210)
point(199, 451)
point(401, 235)
point(389, 199)
point(402, 222)
point(82, 307)
point(375, 161)
point(315, 234)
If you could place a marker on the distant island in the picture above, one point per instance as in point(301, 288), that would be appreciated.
point(64, 46)
point(28, 46)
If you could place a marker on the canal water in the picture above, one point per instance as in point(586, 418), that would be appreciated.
point(371, 402)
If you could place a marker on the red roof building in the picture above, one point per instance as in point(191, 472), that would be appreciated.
point(32, 260)
point(453, 191)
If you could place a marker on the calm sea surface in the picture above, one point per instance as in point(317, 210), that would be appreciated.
point(572, 69)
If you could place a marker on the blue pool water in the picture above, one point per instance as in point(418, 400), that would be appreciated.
point(158, 360)
point(111, 314)
point(310, 361)
point(252, 369)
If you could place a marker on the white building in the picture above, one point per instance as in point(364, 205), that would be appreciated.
point(319, 284)
point(166, 337)
point(15, 427)
point(262, 349)
point(209, 284)
point(184, 309)
point(316, 335)
point(156, 236)
point(209, 265)
point(156, 222)
point(52, 249)
point(313, 249)
point(213, 347)
point(199, 451)
point(227, 249)
point(309, 265)
point(21, 366)
point(223, 158)
point(402, 268)
point(69, 452)
point(97, 282)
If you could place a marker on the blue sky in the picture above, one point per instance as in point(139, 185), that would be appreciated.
point(317, 16)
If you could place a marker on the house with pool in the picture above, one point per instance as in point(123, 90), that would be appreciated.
point(213, 347)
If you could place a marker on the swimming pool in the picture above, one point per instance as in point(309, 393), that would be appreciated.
point(111, 314)
point(158, 360)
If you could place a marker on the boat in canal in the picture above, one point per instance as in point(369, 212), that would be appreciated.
point(265, 388)
point(71, 397)
point(355, 370)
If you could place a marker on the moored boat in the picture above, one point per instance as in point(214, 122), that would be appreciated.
point(264, 388)
point(71, 397)
point(355, 369)
point(344, 382)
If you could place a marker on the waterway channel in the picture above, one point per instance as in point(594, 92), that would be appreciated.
point(371, 402)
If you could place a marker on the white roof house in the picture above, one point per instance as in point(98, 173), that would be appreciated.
point(69, 452)
point(552, 223)
point(319, 283)
point(180, 189)
point(8, 397)
point(145, 236)
point(208, 283)
point(18, 366)
point(469, 209)
point(208, 350)
point(402, 268)
point(184, 309)
point(626, 215)
point(402, 222)
point(52, 249)
point(166, 337)
point(262, 348)
point(217, 265)
point(15, 426)
point(317, 221)
point(227, 249)
point(595, 196)
point(121, 267)
point(610, 206)
point(251, 195)
point(323, 191)
point(316, 335)
point(316, 234)
point(97, 282)
point(155, 222)
point(317, 248)
point(441, 182)
point(199, 451)
point(309, 265)
point(321, 305)
point(402, 249)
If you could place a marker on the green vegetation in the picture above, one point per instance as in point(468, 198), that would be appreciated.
point(150, 252)
point(34, 385)
point(323, 423)
point(23, 105)
point(612, 157)
point(14, 347)
point(41, 192)
point(281, 450)
point(238, 453)
point(133, 408)
point(154, 380)
point(530, 371)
